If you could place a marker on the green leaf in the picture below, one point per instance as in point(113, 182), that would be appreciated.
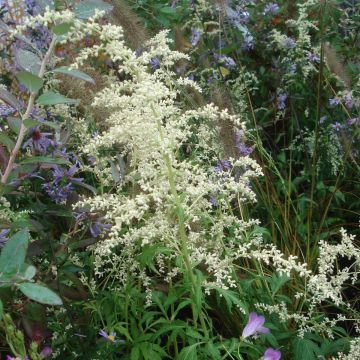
point(74, 73)
point(62, 29)
point(1, 310)
point(40, 294)
point(31, 123)
point(13, 254)
point(52, 98)
point(28, 61)
point(86, 8)
point(5, 140)
point(45, 159)
point(135, 354)
point(14, 124)
point(305, 349)
point(189, 353)
point(30, 272)
point(32, 82)
point(10, 99)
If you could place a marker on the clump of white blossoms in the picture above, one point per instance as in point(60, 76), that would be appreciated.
point(170, 190)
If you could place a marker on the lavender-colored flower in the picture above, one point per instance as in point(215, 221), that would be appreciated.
point(97, 226)
point(255, 326)
point(39, 141)
point(281, 101)
point(288, 43)
point(354, 121)
point(237, 16)
point(248, 42)
point(337, 126)
point(271, 8)
point(313, 57)
point(45, 352)
point(109, 337)
point(322, 119)
point(226, 61)
point(240, 146)
point(348, 100)
point(6, 110)
point(174, 3)
point(271, 354)
point(222, 165)
point(63, 183)
point(195, 36)
point(191, 77)
point(334, 101)
point(3, 236)
point(155, 63)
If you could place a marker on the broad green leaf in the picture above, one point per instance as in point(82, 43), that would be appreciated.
point(30, 272)
point(45, 159)
point(31, 123)
point(52, 98)
point(13, 254)
point(86, 8)
point(10, 99)
point(40, 293)
point(28, 61)
point(62, 29)
point(5, 140)
point(14, 124)
point(32, 82)
point(74, 73)
point(135, 354)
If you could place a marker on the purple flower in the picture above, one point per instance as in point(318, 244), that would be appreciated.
point(337, 126)
point(353, 121)
point(45, 352)
point(288, 43)
point(322, 119)
point(3, 236)
point(238, 16)
point(39, 141)
point(271, 354)
point(348, 100)
point(255, 326)
point(109, 337)
point(195, 36)
point(96, 224)
point(6, 110)
point(281, 101)
point(155, 63)
point(248, 42)
point(227, 61)
point(222, 165)
point(240, 146)
point(334, 101)
point(271, 8)
point(313, 57)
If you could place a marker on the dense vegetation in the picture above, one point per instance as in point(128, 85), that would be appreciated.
point(179, 180)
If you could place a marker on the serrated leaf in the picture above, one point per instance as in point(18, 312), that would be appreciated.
point(32, 82)
point(62, 29)
point(40, 293)
point(188, 353)
point(305, 349)
point(45, 159)
point(52, 98)
point(74, 73)
point(28, 61)
point(13, 254)
point(87, 8)
point(5, 140)
point(10, 99)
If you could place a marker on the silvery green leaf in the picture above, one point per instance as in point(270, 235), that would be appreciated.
point(40, 294)
point(74, 73)
point(28, 61)
point(10, 99)
point(87, 8)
